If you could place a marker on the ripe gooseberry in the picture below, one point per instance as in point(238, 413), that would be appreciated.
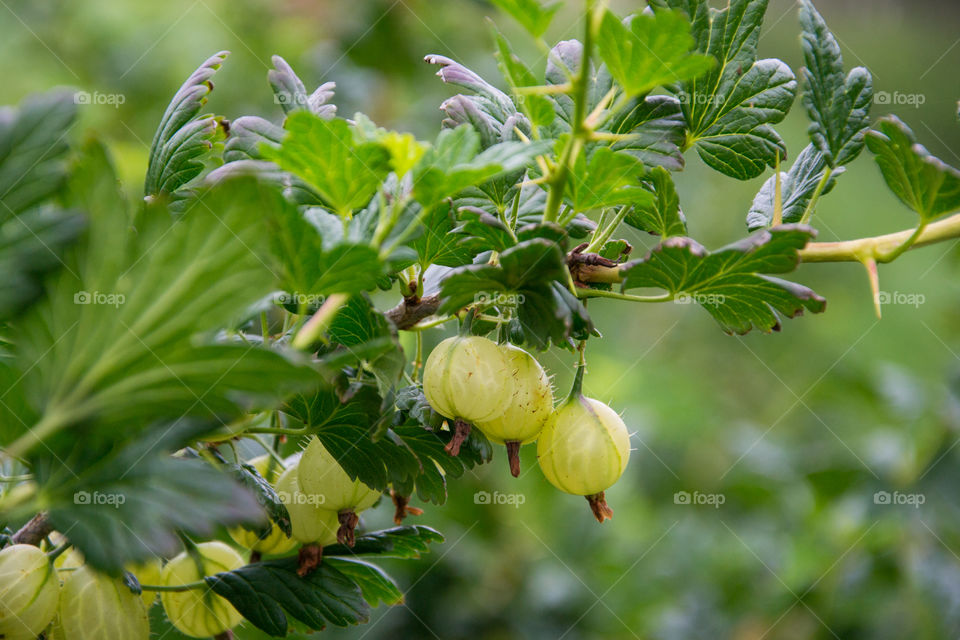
point(29, 592)
point(199, 613)
point(528, 408)
point(93, 606)
point(584, 448)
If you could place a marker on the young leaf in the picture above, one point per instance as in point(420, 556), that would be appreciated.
point(438, 244)
point(489, 110)
point(732, 283)
point(33, 143)
point(540, 109)
point(796, 189)
point(181, 140)
point(730, 109)
point(533, 16)
point(838, 106)
point(922, 181)
point(563, 63)
point(289, 92)
point(661, 216)
point(373, 581)
point(325, 154)
point(651, 50)
point(608, 179)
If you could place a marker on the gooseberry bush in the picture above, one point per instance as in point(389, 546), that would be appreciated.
point(198, 396)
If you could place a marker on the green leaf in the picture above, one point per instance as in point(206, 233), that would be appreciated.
point(661, 216)
point(453, 164)
point(531, 275)
point(922, 181)
point(732, 283)
point(265, 593)
point(730, 109)
point(128, 507)
point(373, 581)
point(182, 140)
point(607, 179)
point(484, 231)
point(248, 136)
point(31, 246)
point(359, 324)
point(306, 266)
point(532, 16)
point(248, 477)
point(289, 92)
point(33, 145)
point(325, 154)
point(563, 63)
point(651, 50)
point(657, 131)
point(127, 336)
point(539, 109)
point(838, 106)
point(796, 189)
point(438, 244)
point(406, 543)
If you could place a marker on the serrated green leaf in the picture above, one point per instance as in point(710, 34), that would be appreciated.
point(797, 187)
point(533, 16)
point(531, 274)
point(407, 543)
point(265, 593)
point(182, 139)
point(651, 50)
point(373, 581)
point(128, 506)
point(656, 130)
point(661, 216)
point(438, 244)
point(838, 106)
point(922, 181)
point(730, 109)
point(325, 154)
point(291, 95)
point(33, 145)
point(732, 283)
point(248, 477)
point(607, 179)
point(359, 324)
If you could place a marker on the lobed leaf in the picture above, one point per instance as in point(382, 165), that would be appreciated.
point(661, 215)
point(796, 190)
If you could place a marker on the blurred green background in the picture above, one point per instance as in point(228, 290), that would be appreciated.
point(797, 431)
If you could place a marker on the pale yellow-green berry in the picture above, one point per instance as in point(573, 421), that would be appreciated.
point(199, 613)
point(29, 592)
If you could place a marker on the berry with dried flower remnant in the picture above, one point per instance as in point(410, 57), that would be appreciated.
point(321, 477)
point(584, 448)
point(467, 379)
point(528, 408)
point(29, 592)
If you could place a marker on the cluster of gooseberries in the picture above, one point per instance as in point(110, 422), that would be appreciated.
point(582, 445)
point(62, 597)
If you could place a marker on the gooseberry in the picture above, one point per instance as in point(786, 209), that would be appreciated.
point(199, 613)
point(29, 592)
point(93, 606)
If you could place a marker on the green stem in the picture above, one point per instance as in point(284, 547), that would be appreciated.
point(576, 390)
point(600, 239)
point(56, 553)
point(600, 293)
point(175, 587)
point(881, 247)
point(320, 322)
point(808, 212)
point(890, 256)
